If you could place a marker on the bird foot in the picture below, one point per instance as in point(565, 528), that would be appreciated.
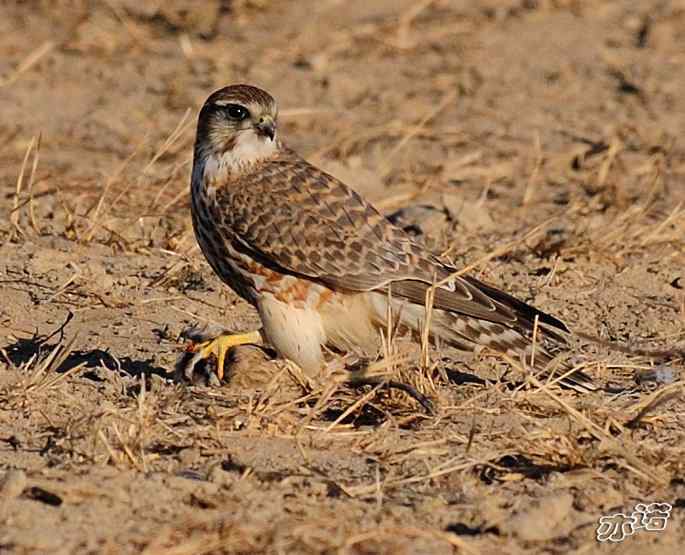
point(216, 347)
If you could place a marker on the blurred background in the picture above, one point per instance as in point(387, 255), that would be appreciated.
point(521, 100)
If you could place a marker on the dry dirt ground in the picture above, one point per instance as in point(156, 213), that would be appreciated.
point(539, 141)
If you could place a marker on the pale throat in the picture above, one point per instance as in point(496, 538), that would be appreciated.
point(248, 149)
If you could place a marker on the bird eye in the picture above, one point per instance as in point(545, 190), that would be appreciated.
point(237, 112)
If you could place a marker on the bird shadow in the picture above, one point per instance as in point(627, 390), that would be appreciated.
point(38, 348)
point(520, 464)
point(458, 377)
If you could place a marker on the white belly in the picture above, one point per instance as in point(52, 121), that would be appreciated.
point(296, 333)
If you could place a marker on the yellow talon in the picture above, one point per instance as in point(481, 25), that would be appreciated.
point(219, 346)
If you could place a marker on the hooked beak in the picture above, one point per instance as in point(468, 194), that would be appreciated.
point(266, 127)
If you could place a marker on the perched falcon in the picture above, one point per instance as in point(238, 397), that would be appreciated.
point(320, 263)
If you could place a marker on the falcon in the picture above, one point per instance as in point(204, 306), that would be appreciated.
point(321, 265)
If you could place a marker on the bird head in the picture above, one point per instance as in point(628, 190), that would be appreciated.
point(238, 124)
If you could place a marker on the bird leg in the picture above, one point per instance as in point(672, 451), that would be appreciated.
point(218, 346)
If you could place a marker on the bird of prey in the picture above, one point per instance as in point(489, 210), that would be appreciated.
point(320, 263)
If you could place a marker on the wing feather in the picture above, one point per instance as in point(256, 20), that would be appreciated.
point(296, 219)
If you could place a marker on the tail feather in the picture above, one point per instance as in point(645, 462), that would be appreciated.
point(514, 339)
point(455, 330)
point(512, 343)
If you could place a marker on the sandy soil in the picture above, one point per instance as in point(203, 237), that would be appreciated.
point(539, 140)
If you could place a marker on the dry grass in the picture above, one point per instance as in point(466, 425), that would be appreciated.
point(571, 190)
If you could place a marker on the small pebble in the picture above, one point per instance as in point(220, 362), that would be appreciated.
point(12, 484)
point(661, 374)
